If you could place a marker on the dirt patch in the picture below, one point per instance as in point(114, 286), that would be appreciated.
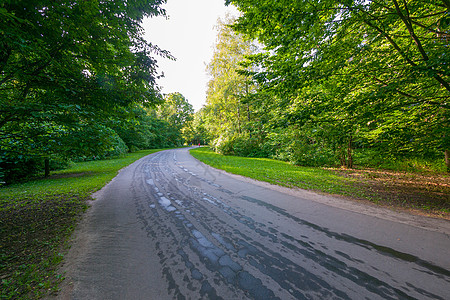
point(424, 194)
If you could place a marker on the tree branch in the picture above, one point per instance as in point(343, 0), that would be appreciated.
point(396, 90)
point(440, 33)
point(407, 22)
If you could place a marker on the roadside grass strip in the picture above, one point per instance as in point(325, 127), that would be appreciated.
point(38, 217)
point(417, 192)
point(280, 173)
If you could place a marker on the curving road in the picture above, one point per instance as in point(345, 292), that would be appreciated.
point(169, 227)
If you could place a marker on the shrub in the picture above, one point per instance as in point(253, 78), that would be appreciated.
point(224, 145)
point(118, 147)
point(300, 149)
point(15, 168)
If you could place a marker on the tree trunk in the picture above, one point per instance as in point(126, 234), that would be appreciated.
point(47, 167)
point(239, 117)
point(342, 156)
point(447, 159)
point(349, 154)
point(248, 118)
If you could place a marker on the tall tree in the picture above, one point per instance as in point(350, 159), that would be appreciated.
point(176, 110)
point(228, 109)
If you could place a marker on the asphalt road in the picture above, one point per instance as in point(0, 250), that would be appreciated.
point(169, 227)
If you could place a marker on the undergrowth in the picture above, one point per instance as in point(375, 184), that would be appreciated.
point(367, 158)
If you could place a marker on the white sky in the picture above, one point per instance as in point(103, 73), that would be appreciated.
point(189, 34)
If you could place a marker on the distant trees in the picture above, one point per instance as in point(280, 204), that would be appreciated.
point(199, 133)
point(338, 76)
point(177, 112)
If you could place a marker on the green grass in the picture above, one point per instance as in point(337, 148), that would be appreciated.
point(281, 173)
point(36, 219)
point(412, 190)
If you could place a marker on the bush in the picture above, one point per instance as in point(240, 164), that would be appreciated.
point(312, 155)
point(60, 163)
point(300, 149)
point(246, 145)
point(118, 147)
point(224, 145)
point(16, 168)
point(250, 147)
point(373, 158)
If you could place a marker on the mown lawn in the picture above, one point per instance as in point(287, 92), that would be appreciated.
point(36, 219)
point(278, 172)
point(418, 192)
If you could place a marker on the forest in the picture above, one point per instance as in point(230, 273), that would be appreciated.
point(332, 83)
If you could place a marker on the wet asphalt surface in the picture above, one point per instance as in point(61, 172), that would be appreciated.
point(169, 227)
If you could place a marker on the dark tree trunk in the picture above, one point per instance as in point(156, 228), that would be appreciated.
point(447, 159)
point(47, 167)
point(342, 157)
point(349, 154)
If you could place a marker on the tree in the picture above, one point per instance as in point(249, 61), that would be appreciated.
point(228, 112)
point(375, 67)
point(177, 112)
point(135, 126)
point(195, 132)
point(66, 66)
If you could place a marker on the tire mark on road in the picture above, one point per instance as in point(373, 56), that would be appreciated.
point(190, 220)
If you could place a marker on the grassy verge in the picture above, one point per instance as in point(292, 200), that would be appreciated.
point(36, 219)
point(424, 193)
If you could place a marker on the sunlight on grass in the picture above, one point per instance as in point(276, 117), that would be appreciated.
point(279, 172)
point(426, 192)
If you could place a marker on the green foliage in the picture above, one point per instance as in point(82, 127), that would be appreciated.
point(37, 217)
point(241, 145)
point(176, 110)
point(177, 113)
point(118, 147)
point(248, 146)
point(19, 168)
point(335, 77)
point(66, 68)
point(135, 126)
point(300, 148)
point(195, 132)
point(377, 159)
point(228, 114)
